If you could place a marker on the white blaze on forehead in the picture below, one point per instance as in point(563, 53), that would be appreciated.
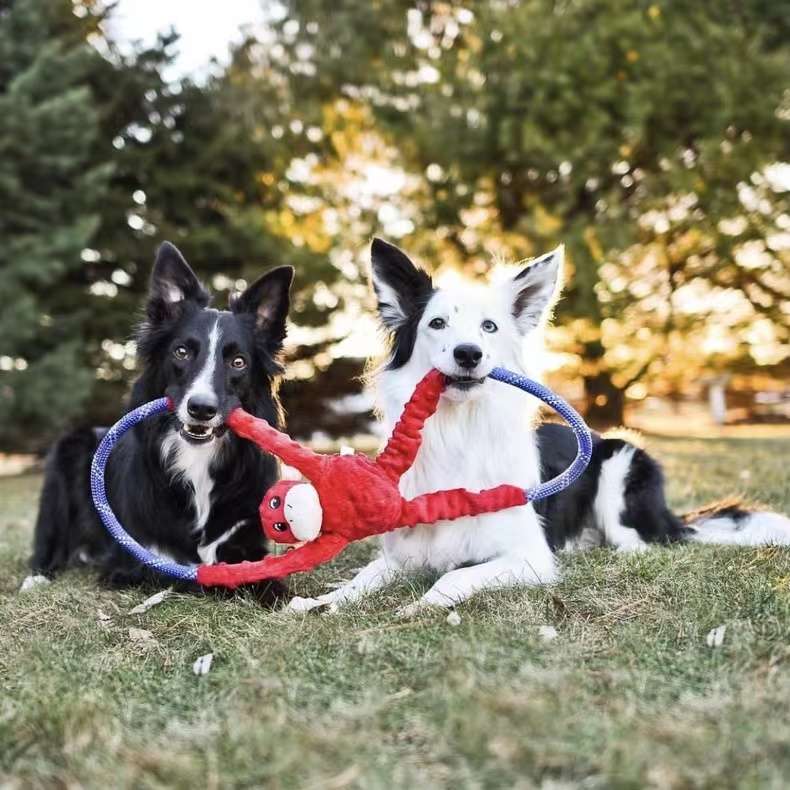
point(203, 383)
point(303, 511)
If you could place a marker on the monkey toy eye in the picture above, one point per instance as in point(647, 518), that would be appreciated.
point(280, 526)
point(274, 502)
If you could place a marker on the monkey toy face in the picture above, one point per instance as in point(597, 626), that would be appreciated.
point(291, 512)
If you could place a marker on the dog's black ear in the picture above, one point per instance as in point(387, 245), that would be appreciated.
point(172, 284)
point(401, 288)
point(268, 299)
point(536, 288)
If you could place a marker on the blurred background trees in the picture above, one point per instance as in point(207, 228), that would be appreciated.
point(651, 138)
point(51, 186)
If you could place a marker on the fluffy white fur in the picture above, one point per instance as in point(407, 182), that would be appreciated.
point(192, 463)
point(478, 438)
point(482, 436)
point(757, 529)
point(610, 503)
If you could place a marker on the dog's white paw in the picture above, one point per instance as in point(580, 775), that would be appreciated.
point(633, 548)
point(299, 604)
point(31, 582)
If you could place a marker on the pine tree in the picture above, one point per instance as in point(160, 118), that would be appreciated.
point(50, 192)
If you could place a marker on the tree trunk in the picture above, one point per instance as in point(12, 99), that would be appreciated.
point(605, 402)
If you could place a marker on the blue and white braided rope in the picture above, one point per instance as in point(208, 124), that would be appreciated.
point(140, 553)
point(570, 415)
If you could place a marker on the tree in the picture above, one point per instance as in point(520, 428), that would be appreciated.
point(50, 190)
point(618, 127)
point(199, 164)
point(103, 157)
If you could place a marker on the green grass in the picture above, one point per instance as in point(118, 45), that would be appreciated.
point(629, 695)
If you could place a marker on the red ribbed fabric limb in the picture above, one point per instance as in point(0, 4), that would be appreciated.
point(404, 444)
point(458, 502)
point(275, 442)
point(305, 558)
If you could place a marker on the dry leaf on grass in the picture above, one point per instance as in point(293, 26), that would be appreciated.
point(148, 603)
point(715, 637)
point(202, 664)
point(547, 633)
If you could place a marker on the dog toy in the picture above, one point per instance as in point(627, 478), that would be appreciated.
point(347, 497)
point(350, 497)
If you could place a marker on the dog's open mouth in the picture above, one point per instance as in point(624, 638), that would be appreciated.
point(464, 382)
point(200, 434)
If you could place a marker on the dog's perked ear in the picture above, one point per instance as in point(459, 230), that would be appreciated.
point(268, 299)
point(401, 288)
point(536, 288)
point(173, 283)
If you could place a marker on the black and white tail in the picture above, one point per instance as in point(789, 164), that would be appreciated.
point(620, 501)
point(732, 523)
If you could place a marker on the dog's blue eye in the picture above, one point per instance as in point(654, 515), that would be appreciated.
point(437, 323)
point(238, 363)
point(181, 352)
point(489, 326)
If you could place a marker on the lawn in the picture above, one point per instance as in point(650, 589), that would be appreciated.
point(629, 693)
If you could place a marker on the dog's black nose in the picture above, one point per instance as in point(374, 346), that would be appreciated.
point(467, 355)
point(202, 407)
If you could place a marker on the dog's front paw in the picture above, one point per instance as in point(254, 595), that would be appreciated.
point(299, 604)
point(33, 581)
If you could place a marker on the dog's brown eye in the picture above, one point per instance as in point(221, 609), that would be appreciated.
point(279, 526)
point(274, 502)
point(181, 352)
point(238, 363)
point(489, 326)
point(437, 323)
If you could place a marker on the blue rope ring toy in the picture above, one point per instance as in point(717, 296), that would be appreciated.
point(189, 572)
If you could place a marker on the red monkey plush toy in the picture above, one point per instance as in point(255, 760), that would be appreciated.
point(349, 496)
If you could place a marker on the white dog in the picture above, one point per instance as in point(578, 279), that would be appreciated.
point(484, 433)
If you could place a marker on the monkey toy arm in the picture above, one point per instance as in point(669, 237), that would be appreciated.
point(458, 502)
point(275, 442)
point(402, 448)
point(305, 558)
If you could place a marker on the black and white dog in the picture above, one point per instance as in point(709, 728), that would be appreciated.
point(484, 433)
point(180, 484)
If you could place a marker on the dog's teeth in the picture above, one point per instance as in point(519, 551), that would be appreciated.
point(198, 431)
